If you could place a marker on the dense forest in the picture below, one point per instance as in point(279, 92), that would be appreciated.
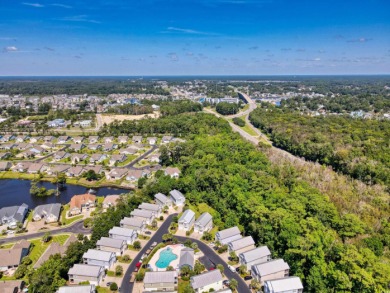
point(357, 147)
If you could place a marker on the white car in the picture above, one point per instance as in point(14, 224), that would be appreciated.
point(231, 268)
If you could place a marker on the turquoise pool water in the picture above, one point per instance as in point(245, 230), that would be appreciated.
point(166, 256)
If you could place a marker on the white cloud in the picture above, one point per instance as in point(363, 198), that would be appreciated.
point(79, 18)
point(61, 5)
point(10, 49)
point(37, 5)
point(187, 31)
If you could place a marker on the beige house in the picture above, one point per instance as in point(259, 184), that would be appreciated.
point(78, 203)
point(160, 281)
point(83, 272)
point(274, 269)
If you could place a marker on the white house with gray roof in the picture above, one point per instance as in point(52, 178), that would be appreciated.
point(77, 289)
point(204, 223)
point(177, 197)
point(135, 223)
point(187, 220)
point(124, 234)
point(99, 258)
point(82, 273)
point(271, 270)
point(255, 256)
point(206, 281)
point(50, 212)
point(148, 216)
point(13, 215)
point(160, 281)
point(162, 200)
point(117, 246)
point(284, 285)
point(241, 245)
point(157, 209)
point(228, 235)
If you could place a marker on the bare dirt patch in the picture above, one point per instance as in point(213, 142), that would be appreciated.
point(106, 118)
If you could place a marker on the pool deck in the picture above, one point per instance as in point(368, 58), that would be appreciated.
point(176, 249)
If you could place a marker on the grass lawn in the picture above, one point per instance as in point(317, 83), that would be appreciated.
point(248, 129)
point(182, 285)
point(40, 247)
point(6, 246)
point(104, 290)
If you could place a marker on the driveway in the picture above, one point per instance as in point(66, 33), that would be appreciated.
point(76, 228)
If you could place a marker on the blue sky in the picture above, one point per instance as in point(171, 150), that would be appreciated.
point(185, 37)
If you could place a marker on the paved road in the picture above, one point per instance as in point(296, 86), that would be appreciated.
point(251, 103)
point(215, 258)
point(126, 286)
point(76, 228)
point(145, 154)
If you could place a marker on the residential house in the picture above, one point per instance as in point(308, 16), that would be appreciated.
point(160, 281)
point(187, 258)
point(78, 139)
point(271, 270)
point(22, 138)
point(77, 158)
point(75, 171)
point(21, 167)
point(255, 256)
point(284, 285)
point(77, 289)
point(35, 139)
point(207, 281)
point(63, 139)
point(99, 258)
point(108, 139)
point(36, 168)
point(56, 169)
point(83, 273)
point(110, 201)
point(7, 137)
point(228, 235)
point(177, 197)
point(129, 235)
point(204, 223)
point(98, 169)
point(116, 173)
point(117, 159)
point(154, 158)
point(128, 151)
point(148, 216)
point(12, 286)
point(157, 209)
point(93, 139)
point(137, 139)
point(118, 246)
point(8, 146)
point(135, 223)
point(50, 212)
point(123, 139)
point(81, 202)
point(77, 147)
point(107, 147)
point(173, 172)
point(4, 156)
point(5, 166)
point(97, 158)
point(187, 220)
point(134, 174)
point(48, 138)
point(61, 155)
point(151, 140)
point(241, 245)
point(11, 258)
point(37, 150)
point(47, 145)
point(94, 147)
point(84, 123)
point(166, 139)
point(13, 215)
point(162, 200)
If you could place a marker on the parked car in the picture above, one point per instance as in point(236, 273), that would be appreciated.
point(246, 278)
point(231, 268)
point(108, 284)
point(226, 283)
point(237, 269)
point(148, 233)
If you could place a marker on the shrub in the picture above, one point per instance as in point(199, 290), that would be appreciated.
point(113, 287)
point(239, 122)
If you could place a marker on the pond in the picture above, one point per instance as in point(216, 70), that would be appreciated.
point(17, 191)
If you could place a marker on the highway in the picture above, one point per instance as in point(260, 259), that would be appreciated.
point(75, 228)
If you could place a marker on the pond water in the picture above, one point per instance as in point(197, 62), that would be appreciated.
point(17, 191)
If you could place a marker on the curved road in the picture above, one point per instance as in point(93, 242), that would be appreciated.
point(76, 228)
point(127, 287)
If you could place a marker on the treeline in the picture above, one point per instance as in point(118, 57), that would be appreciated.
point(131, 109)
point(332, 251)
point(341, 104)
point(180, 125)
point(357, 147)
point(169, 108)
point(227, 108)
point(54, 272)
point(77, 86)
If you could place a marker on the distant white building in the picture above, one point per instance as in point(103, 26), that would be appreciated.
point(206, 281)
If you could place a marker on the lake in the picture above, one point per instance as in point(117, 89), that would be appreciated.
point(17, 191)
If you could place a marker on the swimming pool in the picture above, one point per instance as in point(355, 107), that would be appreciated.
point(166, 256)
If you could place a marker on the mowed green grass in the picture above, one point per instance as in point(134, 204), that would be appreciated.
point(40, 247)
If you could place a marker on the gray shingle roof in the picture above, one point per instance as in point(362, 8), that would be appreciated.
point(241, 243)
point(271, 267)
point(109, 242)
point(121, 231)
point(160, 277)
point(48, 209)
point(284, 284)
point(142, 213)
point(256, 253)
point(176, 194)
point(206, 279)
point(99, 255)
point(85, 270)
point(149, 207)
point(187, 216)
point(135, 222)
point(204, 219)
point(77, 289)
point(161, 197)
point(228, 232)
point(187, 257)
